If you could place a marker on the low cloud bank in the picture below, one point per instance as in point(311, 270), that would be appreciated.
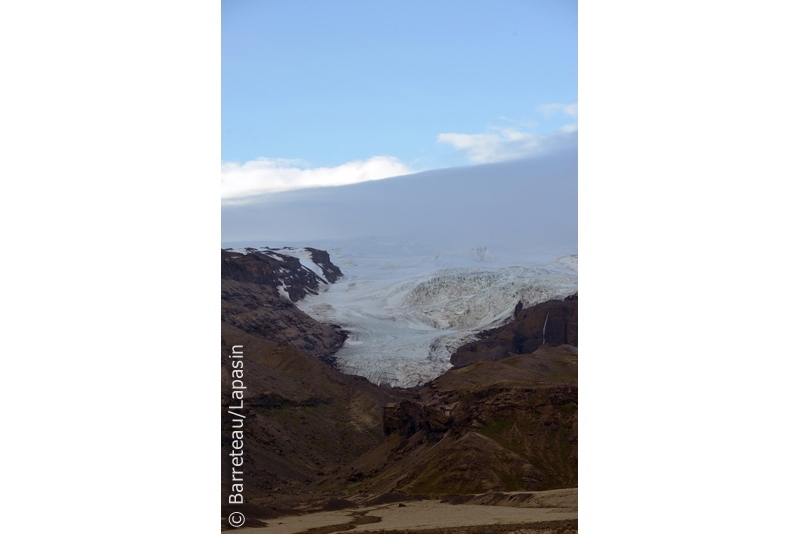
point(266, 175)
point(241, 183)
point(515, 204)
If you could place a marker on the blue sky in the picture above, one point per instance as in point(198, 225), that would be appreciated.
point(328, 93)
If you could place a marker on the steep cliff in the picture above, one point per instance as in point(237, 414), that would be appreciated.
point(554, 322)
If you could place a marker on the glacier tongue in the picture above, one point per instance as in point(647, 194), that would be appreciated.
point(408, 308)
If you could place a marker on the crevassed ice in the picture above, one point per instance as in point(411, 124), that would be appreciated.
point(404, 328)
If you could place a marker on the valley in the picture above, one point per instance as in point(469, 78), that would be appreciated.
point(408, 306)
point(390, 370)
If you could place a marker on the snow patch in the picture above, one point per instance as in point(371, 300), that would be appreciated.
point(304, 256)
point(282, 291)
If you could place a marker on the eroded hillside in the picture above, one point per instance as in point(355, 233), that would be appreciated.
point(491, 426)
point(258, 294)
point(505, 420)
point(302, 418)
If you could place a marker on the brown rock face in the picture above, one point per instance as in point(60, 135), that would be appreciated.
point(554, 322)
point(323, 259)
point(501, 426)
point(408, 418)
point(271, 268)
point(251, 302)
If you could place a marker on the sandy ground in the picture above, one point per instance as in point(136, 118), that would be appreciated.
point(422, 515)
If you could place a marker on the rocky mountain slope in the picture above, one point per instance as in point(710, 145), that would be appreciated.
point(490, 426)
point(311, 430)
point(258, 292)
point(554, 322)
point(302, 418)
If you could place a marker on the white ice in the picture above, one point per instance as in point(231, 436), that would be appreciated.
point(408, 306)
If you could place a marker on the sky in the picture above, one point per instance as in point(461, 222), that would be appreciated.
point(323, 94)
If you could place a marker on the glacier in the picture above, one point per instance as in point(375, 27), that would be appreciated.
point(429, 259)
point(407, 306)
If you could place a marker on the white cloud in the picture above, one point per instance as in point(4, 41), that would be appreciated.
point(265, 175)
point(548, 110)
point(508, 143)
point(502, 144)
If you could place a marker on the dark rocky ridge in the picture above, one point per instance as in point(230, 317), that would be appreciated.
point(323, 259)
point(252, 302)
point(524, 333)
point(270, 267)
